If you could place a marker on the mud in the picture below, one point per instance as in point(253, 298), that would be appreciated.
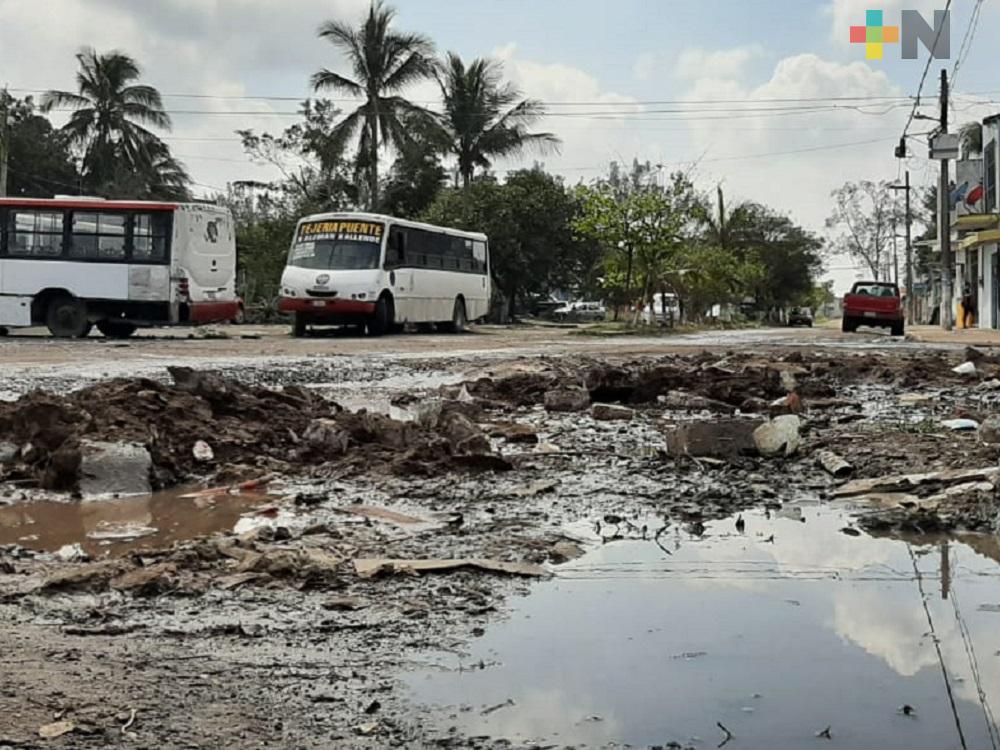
point(242, 619)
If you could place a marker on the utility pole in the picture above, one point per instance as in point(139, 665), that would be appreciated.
point(944, 220)
point(910, 298)
point(4, 148)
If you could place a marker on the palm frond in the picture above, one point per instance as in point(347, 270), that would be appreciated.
point(328, 80)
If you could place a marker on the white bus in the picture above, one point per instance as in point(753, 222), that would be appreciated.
point(381, 273)
point(71, 263)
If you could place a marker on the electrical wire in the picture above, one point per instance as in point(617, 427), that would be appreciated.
point(923, 78)
point(970, 34)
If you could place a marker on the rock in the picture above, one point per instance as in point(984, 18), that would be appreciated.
point(989, 431)
point(85, 577)
point(788, 380)
point(464, 435)
point(326, 434)
point(725, 439)
point(960, 425)
point(966, 368)
point(8, 452)
point(790, 404)
point(148, 581)
point(693, 402)
point(567, 400)
point(780, 436)
point(345, 603)
point(974, 355)
point(565, 551)
point(513, 432)
point(202, 451)
point(611, 413)
point(71, 553)
point(56, 729)
point(114, 469)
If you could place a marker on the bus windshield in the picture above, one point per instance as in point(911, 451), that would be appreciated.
point(337, 245)
point(339, 255)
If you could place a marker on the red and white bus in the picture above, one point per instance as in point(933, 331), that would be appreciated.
point(73, 263)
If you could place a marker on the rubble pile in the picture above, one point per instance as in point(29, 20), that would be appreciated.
point(140, 434)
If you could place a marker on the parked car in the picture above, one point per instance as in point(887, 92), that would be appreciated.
point(800, 316)
point(581, 311)
point(873, 303)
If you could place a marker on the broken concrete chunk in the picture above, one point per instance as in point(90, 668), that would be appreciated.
point(56, 729)
point(726, 438)
point(8, 452)
point(693, 402)
point(780, 436)
point(71, 553)
point(513, 432)
point(567, 400)
point(464, 435)
point(114, 469)
point(833, 464)
point(372, 567)
point(611, 413)
point(966, 368)
point(202, 451)
point(148, 581)
point(989, 431)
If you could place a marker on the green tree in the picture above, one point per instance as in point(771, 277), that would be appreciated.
point(865, 217)
point(485, 118)
point(109, 124)
point(417, 175)
point(528, 220)
point(384, 63)
point(39, 157)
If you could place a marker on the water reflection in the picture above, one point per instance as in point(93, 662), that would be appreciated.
point(776, 640)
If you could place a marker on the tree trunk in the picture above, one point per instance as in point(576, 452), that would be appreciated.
point(373, 167)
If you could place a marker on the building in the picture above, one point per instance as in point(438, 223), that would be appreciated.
point(975, 221)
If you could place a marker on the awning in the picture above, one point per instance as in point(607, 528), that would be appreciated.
point(977, 239)
point(976, 221)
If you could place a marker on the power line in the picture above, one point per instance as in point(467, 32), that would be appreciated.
point(923, 78)
point(970, 34)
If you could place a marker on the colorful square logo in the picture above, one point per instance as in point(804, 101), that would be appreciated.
point(874, 35)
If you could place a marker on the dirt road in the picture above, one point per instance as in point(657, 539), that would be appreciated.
point(622, 572)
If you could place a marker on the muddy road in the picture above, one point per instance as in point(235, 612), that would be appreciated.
point(515, 538)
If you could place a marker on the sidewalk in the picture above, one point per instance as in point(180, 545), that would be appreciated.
point(967, 336)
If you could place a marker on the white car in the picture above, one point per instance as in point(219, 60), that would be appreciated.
point(582, 311)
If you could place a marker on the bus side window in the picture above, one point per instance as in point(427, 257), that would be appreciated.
point(396, 249)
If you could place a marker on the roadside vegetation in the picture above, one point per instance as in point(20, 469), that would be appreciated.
point(632, 236)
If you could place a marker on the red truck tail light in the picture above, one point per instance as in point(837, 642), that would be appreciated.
point(183, 288)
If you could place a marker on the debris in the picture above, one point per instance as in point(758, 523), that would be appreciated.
point(907, 710)
point(567, 400)
point(565, 551)
point(129, 723)
point(790, 404)
point(915, 399)
point(611, 413)
point(372, 567)
point(850, 531)
point(779, 436)
point(71, 553)
point(693, 402)
point(833, 464)
point(367, 729)
point(537, 488)
point(513, 432)
point(326, 434)
point(148, 581)
point(729, 735)
point(547, 448)
point(825, 734)
point(906, 482)
point(383, 514)
point(56, 729)
point(960, 425)
point(202, 451)
point(966, 368)
point(113, 469)
point(345, 603)
point(497, 707)
point(8, 452)
point(741, 525)
point(727, 438)
point(989, 431)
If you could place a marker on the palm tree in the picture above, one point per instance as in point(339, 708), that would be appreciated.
point(111, 115)
point(484, 117)
point(384, 63)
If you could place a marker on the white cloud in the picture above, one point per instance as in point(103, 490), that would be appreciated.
point(697, 63)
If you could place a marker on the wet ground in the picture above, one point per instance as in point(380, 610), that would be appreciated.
point(714, 597)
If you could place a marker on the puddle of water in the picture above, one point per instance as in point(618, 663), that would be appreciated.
point(777, 641)
point(114, 527)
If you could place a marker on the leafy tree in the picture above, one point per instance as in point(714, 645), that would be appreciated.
point(384, 63)
point(865, 215)
point(485, 118)
point(309, 157)
point(971, 137)
point(109, 124)
point(417, 175)
point(39, 158)
point(528, 220)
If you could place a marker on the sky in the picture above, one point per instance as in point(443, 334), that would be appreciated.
point(678, 84)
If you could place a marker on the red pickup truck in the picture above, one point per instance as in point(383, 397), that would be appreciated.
point(873, 303)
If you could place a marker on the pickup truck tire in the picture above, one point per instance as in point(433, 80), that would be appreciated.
point(897, 328)
point(847, 325)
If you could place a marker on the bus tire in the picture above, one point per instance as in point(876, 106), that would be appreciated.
point(459, 322)
point(66, 317)
point(382, 321)
point(115, 329)
point(299, 325)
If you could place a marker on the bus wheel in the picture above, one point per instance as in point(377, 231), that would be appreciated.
point(115, 329)
point(66, 318)
point(299, 326)
point(381, 322)
point(459, 323)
